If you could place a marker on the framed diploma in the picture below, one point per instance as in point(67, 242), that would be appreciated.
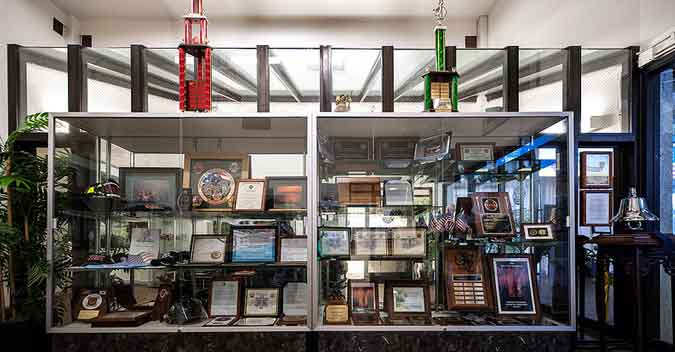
point(475, 151)
point(370, 241)
point(363, 302)
point(287, 193)
point(150, 188)
point(333, 241)
point(250, 195)
point(408, 242)
point(493, 216)
point(397, 193)
point(407, 299)
point(254, 244)
point(208, 249)
point(295, 299)
point(433, 148)
point(537, 232)
point(293, 249)
point(596, 169)
point(515, 285)
point(224, 298)
point(596, 208)
point(467, 283)
point(212, 179)
point(262, 302)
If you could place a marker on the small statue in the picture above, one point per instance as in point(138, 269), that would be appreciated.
point(342, 103)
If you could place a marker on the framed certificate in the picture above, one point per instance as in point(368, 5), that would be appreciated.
point(250, 195)
point(262, 302)
point(370, 241)
point(208, 249)
point(363, 302)
point(145, 243)
point(433, 148)
point(475, 151)
point(467, 283)
point(212, 179)
point(408, 242)
point(224, 298)
point(287, 193)
point(596, 208)
point(515, 285)
point(333, 241)
point(493, 216)
point(253, 244)
point(295, 299)
point(596, 169)
point(407, 299)
point(398, 192)
point(293, 249)
point(537, 232)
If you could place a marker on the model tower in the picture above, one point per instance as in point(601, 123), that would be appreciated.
point(195, 91)
point(440, 85)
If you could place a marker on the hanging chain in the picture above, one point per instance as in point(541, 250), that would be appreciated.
point(441, 12)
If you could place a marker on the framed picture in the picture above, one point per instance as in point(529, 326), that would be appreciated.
point(408, 242)
point(423, 196)
point(596, 169)
point(208, 249)
point(433, 148)
point(287, 193)
point(334, 241)
point(492, 214)
point(515, 285)
point(261, 302)
point(363, 302)
point(250, 195)
point(212, 179)
point(407, 299)
point(537, 232)
point(467, 283)
point(370, 242)
point(397, 192)
point(254, 244)
point(150, 188)
point(346, 148)
point(475, 151)
point(395, 152)
point(596, 208)
point(293, 249)
point(224, 297)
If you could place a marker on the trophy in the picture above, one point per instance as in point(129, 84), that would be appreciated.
point(440, 86)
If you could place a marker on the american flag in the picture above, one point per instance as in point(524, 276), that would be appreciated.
point(461, 225)
point(444, 222)
point(140, 258)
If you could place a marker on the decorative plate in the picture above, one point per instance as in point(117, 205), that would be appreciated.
point(216, 186)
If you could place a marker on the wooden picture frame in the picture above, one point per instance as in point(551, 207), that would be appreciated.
point(237, 312)
point(159, 198)
point(379, 251)
point(390, 298)
point(521, 270)
point(467, 284)
point(597, 169)
point(240, 234)
point(196, 166)
point(215, 256)
point(537, 232)
point(597, 197)
point(239, 191)
point(278, 200)
point(358, 191)
point(369, 315)
point(327, 250)
point(475, 151)
point(492, 214)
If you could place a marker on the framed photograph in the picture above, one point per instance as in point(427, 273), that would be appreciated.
point(334, 241)
point(475, 151)
point(467, 283)
point(224, 297)
point(370, 241)
point(492, 214)
point(537, 232)
point(287, 193)
point(212, 180)
point(596, 208)
point(293, 249)
point(363, 301)
point(408, 242)
point(397, 193)
point(150, 188)
point(208, 249)
point(423, 196)
point(254, 244)
point(433, 148)
point(261, 302)
point(295, 299)
point(407, 299)
point(515, 285)
point(250, 195)
point(596, 169)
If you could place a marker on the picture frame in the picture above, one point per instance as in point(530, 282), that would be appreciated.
point(409, 242)
point(515, 286)
point(597, 207)
point(229, 289)
point(395, 152)
point(150, 188)
point(409, 299)
point(433, 148)
point(398, 193)
point(537, 232)
point(334, 241)
point(363, 302)
point(370, 241)
point(475, 151)
point(208, 249)
point(358, 191)
point(492, 214)
point(287, 193)
point(250, 195)
point(294, 300)
point(253, 244)
point(212, 179)
point(261, 302)
point(597, 169)
point(293, 249)
point(349, 148)
point(467, 283)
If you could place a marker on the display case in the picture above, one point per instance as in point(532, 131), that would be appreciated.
point(211, 222)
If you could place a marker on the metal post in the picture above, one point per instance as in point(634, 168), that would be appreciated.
point(387, 79)
point(139, 79)
point(263, 56)
point(326, 83)
point(510, 67)
point(77, 79)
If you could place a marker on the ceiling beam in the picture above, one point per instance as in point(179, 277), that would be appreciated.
point(413, 79)
point(370, 79)
point(222, 64)
point(281, 73)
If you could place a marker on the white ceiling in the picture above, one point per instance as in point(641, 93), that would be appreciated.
point(173, 9)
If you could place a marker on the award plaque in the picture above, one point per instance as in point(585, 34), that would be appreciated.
point(352, 148)
point(121, 319)
point(254, 244)
point(250, 195)
point(370, 242)
point(363, 302)
point(261, 302)
point(90, 304)
point(395, 152)
point(212, 180)
point(408, 242)
point(596, 169)
point(467, 287)
point(162, 302)
point(433, 148)
point(224, 298)
point(515, 285)
point(336, 314)
point(397, 193)
point(294, 304)
point(333, 241)
point(493, 217)
point(293, 249)
point(537, 232)
point(407, 299)
point(596, 208)
point(287, 193)
point(208, 249)
point(475, 151)
point(358, 190)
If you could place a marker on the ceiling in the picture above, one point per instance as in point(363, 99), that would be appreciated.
point(172, 9)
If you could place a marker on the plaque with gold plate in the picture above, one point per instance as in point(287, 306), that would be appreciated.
point(208, 249)
point(492, 214)
point(336, 312)
point(467, 285)
point(90, 304)
point(358, 190)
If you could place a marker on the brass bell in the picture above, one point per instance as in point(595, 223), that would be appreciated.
point(633, 211)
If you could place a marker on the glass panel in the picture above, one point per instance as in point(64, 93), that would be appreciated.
point(162, 79)
point(409, 66)
point(357, 73)
point(665, 103)
point(605, 91)
point(46, 81)
point(108, 79)
point(294, 80)
point(480, 79)
point(234, 74)
point(415, 216)
point(178, 227)
point(540, 82)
